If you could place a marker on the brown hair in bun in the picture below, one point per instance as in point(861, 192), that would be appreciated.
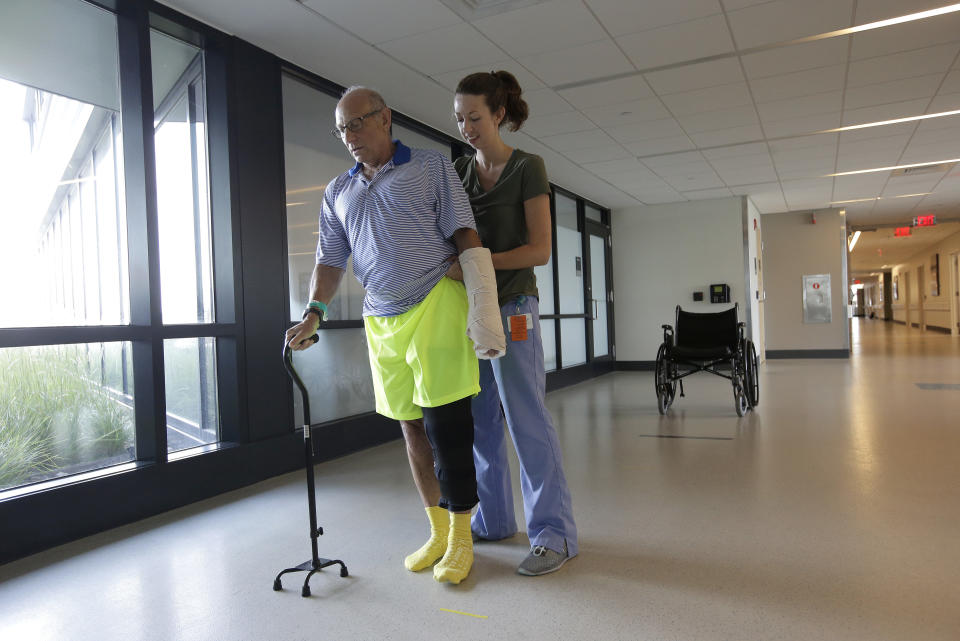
point(499, 89)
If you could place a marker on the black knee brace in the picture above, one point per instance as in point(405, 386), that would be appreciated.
point(450, 430)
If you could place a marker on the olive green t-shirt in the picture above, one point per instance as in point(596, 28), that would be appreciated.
point(501, 221)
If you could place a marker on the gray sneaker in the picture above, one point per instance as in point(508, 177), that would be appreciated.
point(542, 560)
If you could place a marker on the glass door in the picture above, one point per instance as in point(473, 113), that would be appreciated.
point(598, 291)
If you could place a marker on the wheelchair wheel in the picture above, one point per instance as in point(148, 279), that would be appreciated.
point(742, 405)
point(739, 377)
point(752, 372)
point(666, 388)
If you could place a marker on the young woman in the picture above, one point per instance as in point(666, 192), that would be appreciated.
point(509, 193)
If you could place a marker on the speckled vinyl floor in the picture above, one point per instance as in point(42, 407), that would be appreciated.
point(832, 512)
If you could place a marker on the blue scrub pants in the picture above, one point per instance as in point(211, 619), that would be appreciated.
point(517, 380)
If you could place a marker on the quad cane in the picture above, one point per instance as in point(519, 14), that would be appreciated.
point(315, 564)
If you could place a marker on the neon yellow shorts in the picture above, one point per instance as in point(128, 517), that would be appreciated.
point(423, 358)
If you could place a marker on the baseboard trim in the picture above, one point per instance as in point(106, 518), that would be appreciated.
point(635, 366)
point(808, 353)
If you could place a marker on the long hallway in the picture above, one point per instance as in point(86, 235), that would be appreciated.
point(832, 512)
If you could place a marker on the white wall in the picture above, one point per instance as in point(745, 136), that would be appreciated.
point(661, 255)
point(936, 309)
point(794, 247)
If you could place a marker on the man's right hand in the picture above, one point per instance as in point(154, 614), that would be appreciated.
point(297, 337)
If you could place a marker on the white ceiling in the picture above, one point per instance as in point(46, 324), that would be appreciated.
point(655, 101)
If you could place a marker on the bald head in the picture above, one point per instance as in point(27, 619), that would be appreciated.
point(364, 118)
point(357, 92)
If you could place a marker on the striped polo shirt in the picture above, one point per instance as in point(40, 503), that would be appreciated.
point(398, 226)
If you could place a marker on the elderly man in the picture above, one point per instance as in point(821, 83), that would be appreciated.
point(403, 215)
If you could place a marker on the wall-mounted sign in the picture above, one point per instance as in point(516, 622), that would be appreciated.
point(900, 232)
point(817, 305)
point(925, 221)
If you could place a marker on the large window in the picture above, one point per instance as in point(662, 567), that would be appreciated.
point(312, 158)
point(75, 247)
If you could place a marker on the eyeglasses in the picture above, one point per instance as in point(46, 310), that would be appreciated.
point(353, 125)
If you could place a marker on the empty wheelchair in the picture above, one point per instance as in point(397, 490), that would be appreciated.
point(705, 343)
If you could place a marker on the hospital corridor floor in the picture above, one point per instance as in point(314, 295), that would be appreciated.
point(832, 512)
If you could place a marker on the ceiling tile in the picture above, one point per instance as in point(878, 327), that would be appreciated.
point(810, 55)
point(807, 124)
point(654, 197)
point(646, 130)
point(705, 194)
point(879, 113)
point(699, 76)
point(627, 112)
point(826, 142)
point(700, 100)
point(608, 92)
point(727, 136)
point(799, 83)
point(719, 119)
point(630, 166)
point(752, 161)
point(906, 36)
point(674, 159)
point(947, 102)
point(461, 45)
point(656, 146)
point(695, 181)
point(595, 60)
point(528, 81)
point(782, 20)
point(542, 27)
point(800, 106)
point(597, 154)
point(621, 17)
point(869, 133)
point(859, 186)
point(931, 152)
point(657, 47)
point(901, 65)
point(734, 177)
point(951, 84)
point(543, 102)
point(893, 91)
point(809, 193)
point(563, 143)
point(737, 151)
point(899, 185)
point(376, 21)
point(767, 197)
point(553, 124)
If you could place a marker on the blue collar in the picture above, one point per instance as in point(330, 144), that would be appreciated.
point(401, 155)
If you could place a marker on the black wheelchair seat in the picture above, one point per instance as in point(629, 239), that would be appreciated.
point(713, 342)
point(699, 353)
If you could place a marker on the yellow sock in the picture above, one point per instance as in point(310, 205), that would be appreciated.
point(436, 545)
point(456, 563)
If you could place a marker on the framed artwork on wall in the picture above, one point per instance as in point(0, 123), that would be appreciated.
point(935, 275)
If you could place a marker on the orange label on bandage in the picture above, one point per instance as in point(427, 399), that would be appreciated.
point(518, 327)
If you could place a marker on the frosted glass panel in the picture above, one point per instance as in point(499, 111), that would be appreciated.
point(336, 372)
point(544, 274)
point(548, 334)
point(569, 261)
point(573, 342)
point(598, 283)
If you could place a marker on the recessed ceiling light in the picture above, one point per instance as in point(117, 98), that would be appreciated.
point(863, 200)
point(910, 17)
point(881, 123)
point(876, 169)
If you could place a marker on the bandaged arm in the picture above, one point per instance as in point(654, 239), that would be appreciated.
point(484, 326)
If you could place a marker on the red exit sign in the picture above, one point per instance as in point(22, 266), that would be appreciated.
point(900, 232)
point(925, 221)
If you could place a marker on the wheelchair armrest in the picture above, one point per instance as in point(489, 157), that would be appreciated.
point(667, 334)
point(740, 327)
